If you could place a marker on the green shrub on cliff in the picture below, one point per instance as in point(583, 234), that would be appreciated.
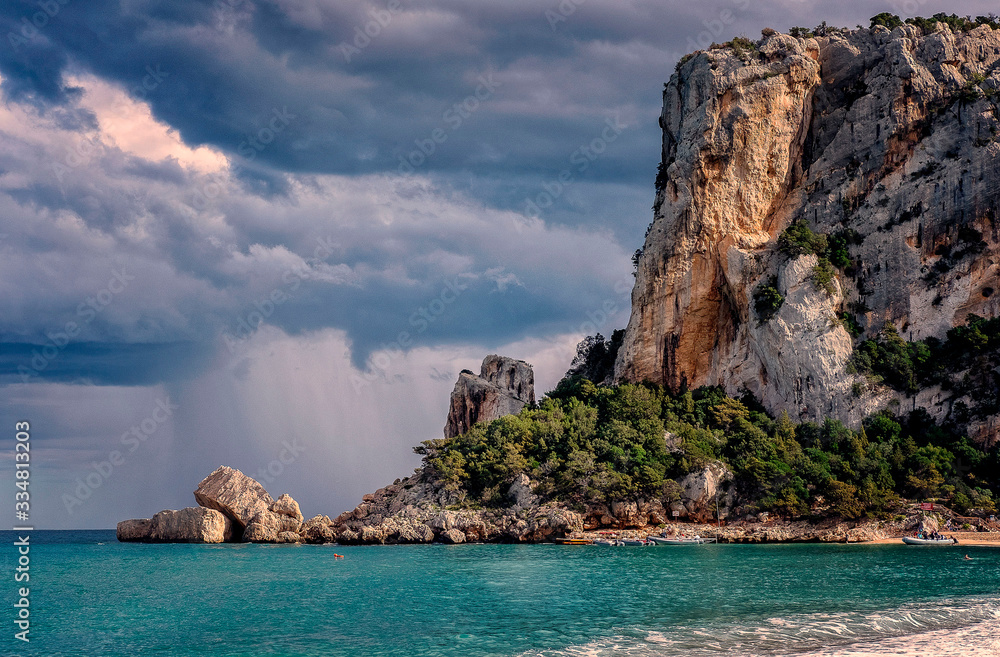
point(767, 300)
point(743, 47)
point(886, 19)
point(955, 22)
point(824, 275)
point(798, 239)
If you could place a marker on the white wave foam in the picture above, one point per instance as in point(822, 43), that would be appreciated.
point(968, 627)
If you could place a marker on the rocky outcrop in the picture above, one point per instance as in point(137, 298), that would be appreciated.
point(286, 506)
point(137, 529)
point(289, 537)
point(801, 531)
point(453, 536)
point(266, 526)
point(234, 507)
point(702, 490)
point(190, 525)
point(887, 137)
point(318, 529)
point(504, 386)
point(419, 510)
point(233, 493)
point(520, 493)
point(281, 517)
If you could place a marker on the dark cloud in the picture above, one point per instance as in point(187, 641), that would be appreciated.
point(100, 363)
point(544, 89)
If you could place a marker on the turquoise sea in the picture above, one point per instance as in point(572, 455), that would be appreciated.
point(91, 595)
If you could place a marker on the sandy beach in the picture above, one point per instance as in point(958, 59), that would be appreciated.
point(869, 532)
point(987, 539)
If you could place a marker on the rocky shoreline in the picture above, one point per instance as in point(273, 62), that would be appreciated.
point(236, 508)
point(233, 507)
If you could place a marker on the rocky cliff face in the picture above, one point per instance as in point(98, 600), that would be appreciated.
point(503, 387)
point(889, 137)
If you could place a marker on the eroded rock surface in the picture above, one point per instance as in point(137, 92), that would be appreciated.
point(191, 525)
point(286, 506)
point(702, 491)
point(233, 493)
point(504, 386)
point(266, 526)
point(419, 510)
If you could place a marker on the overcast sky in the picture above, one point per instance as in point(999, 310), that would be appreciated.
point(251, 231)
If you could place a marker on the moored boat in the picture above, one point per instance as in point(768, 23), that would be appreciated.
point(662, 540)
point(910, 540)
point(635, 542)
point(573, 541)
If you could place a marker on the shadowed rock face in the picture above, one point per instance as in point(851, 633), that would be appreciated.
point(138, 529)
point(191, 525)
point(889, 134)
point(236, 495)
point(266, 527)
point(503, 387)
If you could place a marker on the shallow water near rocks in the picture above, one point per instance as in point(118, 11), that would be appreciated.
point(94, 596)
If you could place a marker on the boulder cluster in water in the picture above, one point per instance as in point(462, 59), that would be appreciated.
point(233, 508)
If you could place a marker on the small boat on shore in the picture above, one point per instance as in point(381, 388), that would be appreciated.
point(607, 542)
point(910, 540)
point(662, 540)
point(573, 541)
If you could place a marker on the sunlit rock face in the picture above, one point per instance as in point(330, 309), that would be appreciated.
point(889, 134)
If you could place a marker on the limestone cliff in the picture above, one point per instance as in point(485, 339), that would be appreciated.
point(504, 386)
point(889, 137)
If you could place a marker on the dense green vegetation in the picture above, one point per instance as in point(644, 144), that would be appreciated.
point(595, 356)
point(965, 363)
point(587, 443)
point(955, 22)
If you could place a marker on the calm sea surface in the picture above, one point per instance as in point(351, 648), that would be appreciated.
point(91, 595)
